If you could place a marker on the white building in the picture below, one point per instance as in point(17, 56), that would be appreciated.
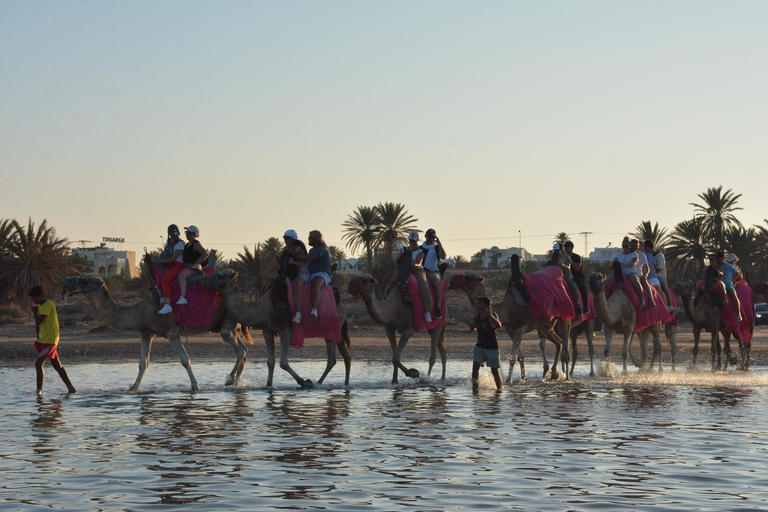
point(604, 253)
point(499, 258)
point(352, 265)
point(108, 262)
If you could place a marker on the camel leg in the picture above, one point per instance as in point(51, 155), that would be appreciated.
point(554, 338)
point(269, 339)
point(146, 348)
point(565, 354)
point(240, 351)
point(714, 349)
point(285, 346)
point(397, 349)
point(696, 338)
point(730, 357)
point(625, 351)
point(438, 343)
point(746, 349)
point(516, 335)
point(175, 340)
point(608, 333)
point(671, 332)
point(331, 350)
point(344, 351)
point(591, 348)
point(543, 348)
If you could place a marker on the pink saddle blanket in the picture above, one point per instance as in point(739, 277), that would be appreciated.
point(419, 323)
point(744, 292)
point(549, 294)
point(647, 316)
point(326, 326)
point(739, 330)
point(202, 302)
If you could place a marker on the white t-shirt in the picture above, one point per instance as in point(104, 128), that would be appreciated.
point(430, 259)
point(179, 246)
point(661, 266)
point(624, 259)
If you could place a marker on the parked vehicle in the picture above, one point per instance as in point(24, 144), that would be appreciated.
point(761, 313)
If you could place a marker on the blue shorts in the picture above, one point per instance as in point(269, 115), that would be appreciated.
point(662, 280)
point(490, 357)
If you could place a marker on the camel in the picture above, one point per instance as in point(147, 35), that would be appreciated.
point(516, 318)
point(707, 316)
point(578, 327)
point(618, 314)
point(144, 318)
point(397, 317)
point(262, 314)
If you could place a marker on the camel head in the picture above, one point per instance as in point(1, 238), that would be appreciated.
point(761, 289)
point(683, 288)
point(360, 284)
point(596, 281)
point(470, 283)
point(76, 285)
point(223, 280)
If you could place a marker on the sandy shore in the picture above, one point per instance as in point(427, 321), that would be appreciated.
point(84, 343)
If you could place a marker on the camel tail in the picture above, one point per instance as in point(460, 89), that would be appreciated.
point(345, 336)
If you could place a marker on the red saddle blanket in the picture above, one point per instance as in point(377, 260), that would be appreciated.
point(326, 326)
point(419, 323)
point(202, 302)
point(649, 315)
point(739, 330)
point(549, 294)
point(744, 292)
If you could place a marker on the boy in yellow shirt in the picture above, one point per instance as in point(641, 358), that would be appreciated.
point(47, 324)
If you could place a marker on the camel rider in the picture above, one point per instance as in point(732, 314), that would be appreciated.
point(171, 259)
point(564, 262)
point(433, 253)
point(410, 262)
point(194, 256)
point(578, 274)
point(319, 268)
point(644, 268)
point(730, 276)
point(630, 269)
point(292, 268)
point(661, 273)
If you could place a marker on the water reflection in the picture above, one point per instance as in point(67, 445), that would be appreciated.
point(189, 437)
point(45, 427)
point(645, 397)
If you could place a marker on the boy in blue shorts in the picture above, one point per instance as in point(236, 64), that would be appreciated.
point(487, 348)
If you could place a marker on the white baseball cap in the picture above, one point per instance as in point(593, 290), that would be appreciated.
point(192, 229)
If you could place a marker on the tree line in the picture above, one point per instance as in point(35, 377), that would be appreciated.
point(34, 255)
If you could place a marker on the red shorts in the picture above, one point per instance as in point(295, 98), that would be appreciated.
point(47, 350)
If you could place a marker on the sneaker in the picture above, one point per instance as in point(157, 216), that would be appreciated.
point(738, 318)
point(313, 315)
point(586, 310)
point(165, 309)
point(428, 317)
point(297, 318)
point(438, 313)
point(181, 300)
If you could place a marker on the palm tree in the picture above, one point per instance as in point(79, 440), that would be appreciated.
point(746, 245)
point(361, 230)
point(254, 268)
point(337, 254)
point(461, 261)
point(659, 237)
point(717, 211)
point(33, 256)
point(687, 249)
point(394, 225)
point(561, 238)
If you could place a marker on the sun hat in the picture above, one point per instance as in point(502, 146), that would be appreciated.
point(291, 233)
point(192, 229)
point(731, 257)
point(173, 230)
point(413, 235)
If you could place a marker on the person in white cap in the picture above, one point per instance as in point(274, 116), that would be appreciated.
point(292, 268)
point(194, 256)
point(433, 253)
point(731, 275)
point(414, 257)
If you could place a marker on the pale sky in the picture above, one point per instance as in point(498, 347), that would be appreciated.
point(488, 120)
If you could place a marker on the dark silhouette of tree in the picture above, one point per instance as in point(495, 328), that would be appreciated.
point(717, 211)
point(687, 249)
point(561, 238)
point(394, 225)
point(645, 231)
point(361, 231)
point(33, 256)
point(254, 268)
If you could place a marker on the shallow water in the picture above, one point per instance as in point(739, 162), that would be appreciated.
point(683, 441)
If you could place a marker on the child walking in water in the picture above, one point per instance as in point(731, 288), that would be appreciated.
point(47, 325)
point(487, 348)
